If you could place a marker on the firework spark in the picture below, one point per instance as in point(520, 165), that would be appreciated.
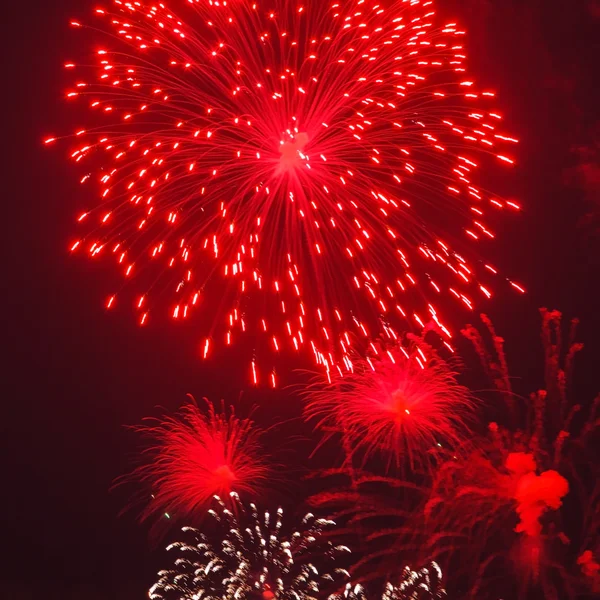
point(521, 479)
point(425, 584)
point(402, 406)
point(283, 169)
point(350, 592)
point(253, 559)
point(196, 455)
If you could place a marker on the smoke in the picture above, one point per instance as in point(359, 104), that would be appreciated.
point(535, 494)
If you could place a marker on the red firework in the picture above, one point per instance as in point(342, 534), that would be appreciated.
point(288, 167)
point(400, 406)
point(532, 489)
point(196, 456)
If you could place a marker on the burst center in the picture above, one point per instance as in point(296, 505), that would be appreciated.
point(291, 151)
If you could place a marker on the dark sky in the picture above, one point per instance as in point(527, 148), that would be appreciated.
point(76, 375)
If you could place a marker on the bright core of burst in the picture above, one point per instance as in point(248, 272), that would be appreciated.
point(291, 151)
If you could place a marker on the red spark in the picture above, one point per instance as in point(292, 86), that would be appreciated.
point(196, 456)
point(290, 167)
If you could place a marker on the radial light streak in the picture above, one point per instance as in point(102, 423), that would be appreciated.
point(304, 175)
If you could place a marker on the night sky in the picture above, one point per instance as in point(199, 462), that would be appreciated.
point(77, 375)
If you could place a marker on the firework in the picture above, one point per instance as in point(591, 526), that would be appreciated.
point(519, 481)
point(253, 559)
point(196, 455)
point(351, 592)
point(520, 501)
point(402, 406)
point(305, 176)
point(425, 584)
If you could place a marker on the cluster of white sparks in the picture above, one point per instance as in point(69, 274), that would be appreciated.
point(425, 584)
point(253, 559)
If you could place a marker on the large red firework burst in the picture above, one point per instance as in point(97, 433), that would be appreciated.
point(195, 456)
point(299, 172)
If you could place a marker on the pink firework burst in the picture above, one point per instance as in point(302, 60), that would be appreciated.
point(401, 406)
point(301, 174)
point(196, 456)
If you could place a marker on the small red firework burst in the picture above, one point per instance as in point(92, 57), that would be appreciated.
point(196, 456)
point(402, 406)
point(305, 175)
